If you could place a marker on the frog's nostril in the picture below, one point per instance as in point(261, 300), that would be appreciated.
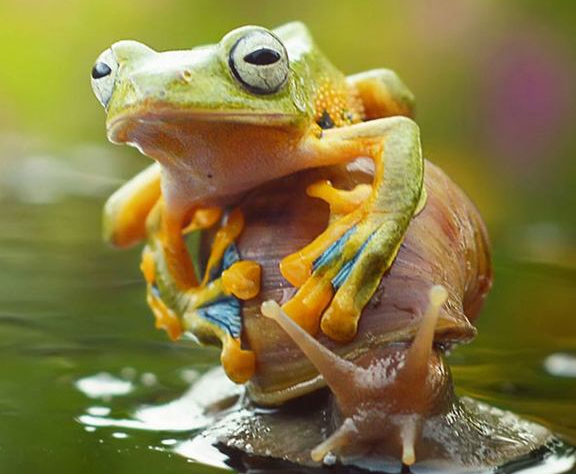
point(100, 70)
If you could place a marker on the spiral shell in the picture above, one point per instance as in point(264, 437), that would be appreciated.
point(445, 244)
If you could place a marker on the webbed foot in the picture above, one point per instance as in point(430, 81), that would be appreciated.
point(211, 311)
point(338, 273)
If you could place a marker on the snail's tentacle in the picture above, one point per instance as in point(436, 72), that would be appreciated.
point(333, 368)
point(337, 440)
point(409, 432)
point(418, 355)
point(414, 372)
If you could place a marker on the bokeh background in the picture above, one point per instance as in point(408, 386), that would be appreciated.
point(80, 359)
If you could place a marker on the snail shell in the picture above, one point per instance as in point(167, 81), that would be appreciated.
point(445, 244)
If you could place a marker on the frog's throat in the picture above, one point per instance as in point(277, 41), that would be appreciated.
point(356, 386)
point(209, 163)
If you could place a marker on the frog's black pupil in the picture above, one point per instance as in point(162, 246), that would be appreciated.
point(100, 70)
point(262, 57)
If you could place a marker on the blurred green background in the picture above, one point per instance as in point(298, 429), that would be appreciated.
point(494, 83)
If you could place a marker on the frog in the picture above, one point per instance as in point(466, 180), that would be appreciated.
point(220, 120)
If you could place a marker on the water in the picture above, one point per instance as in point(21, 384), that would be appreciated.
point(88, 385)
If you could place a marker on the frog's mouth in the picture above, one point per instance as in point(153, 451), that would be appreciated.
point(121, 128)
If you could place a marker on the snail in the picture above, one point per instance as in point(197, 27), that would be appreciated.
point(337, 265)
point(390, 394)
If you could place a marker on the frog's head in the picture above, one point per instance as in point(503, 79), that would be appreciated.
point(252, 76)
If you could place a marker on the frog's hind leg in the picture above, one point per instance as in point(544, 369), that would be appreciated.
point(126, 211)
point(211, 310)
point(382, 93)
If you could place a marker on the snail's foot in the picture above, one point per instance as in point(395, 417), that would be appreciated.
point(340, 270)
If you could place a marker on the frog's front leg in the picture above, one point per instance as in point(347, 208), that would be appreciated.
point(339, 271)
point(125, 212)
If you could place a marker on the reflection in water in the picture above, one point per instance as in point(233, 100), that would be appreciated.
point(197, 408)
point(187, 413)
point(561, 365)
point(212, 398)
point(103, 385)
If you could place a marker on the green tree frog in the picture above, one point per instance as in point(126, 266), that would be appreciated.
point(219, 121)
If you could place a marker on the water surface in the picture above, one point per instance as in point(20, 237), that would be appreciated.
point(88, 385)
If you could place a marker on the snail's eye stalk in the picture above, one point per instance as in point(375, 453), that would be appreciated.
point(333, 368)
point(103, 77)
point(417, 357)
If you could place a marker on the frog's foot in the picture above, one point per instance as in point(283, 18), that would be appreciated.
point(211, 311)
point(340, 201)
point(317, 291)
point(203, 218)
point(166, 318)
point(337, 274)
point(214, 309)
point(339, 271)
point(242, 279)
point(220, 321)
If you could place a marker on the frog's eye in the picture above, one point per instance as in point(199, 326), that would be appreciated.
point(259, 61)
point(103, 75)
